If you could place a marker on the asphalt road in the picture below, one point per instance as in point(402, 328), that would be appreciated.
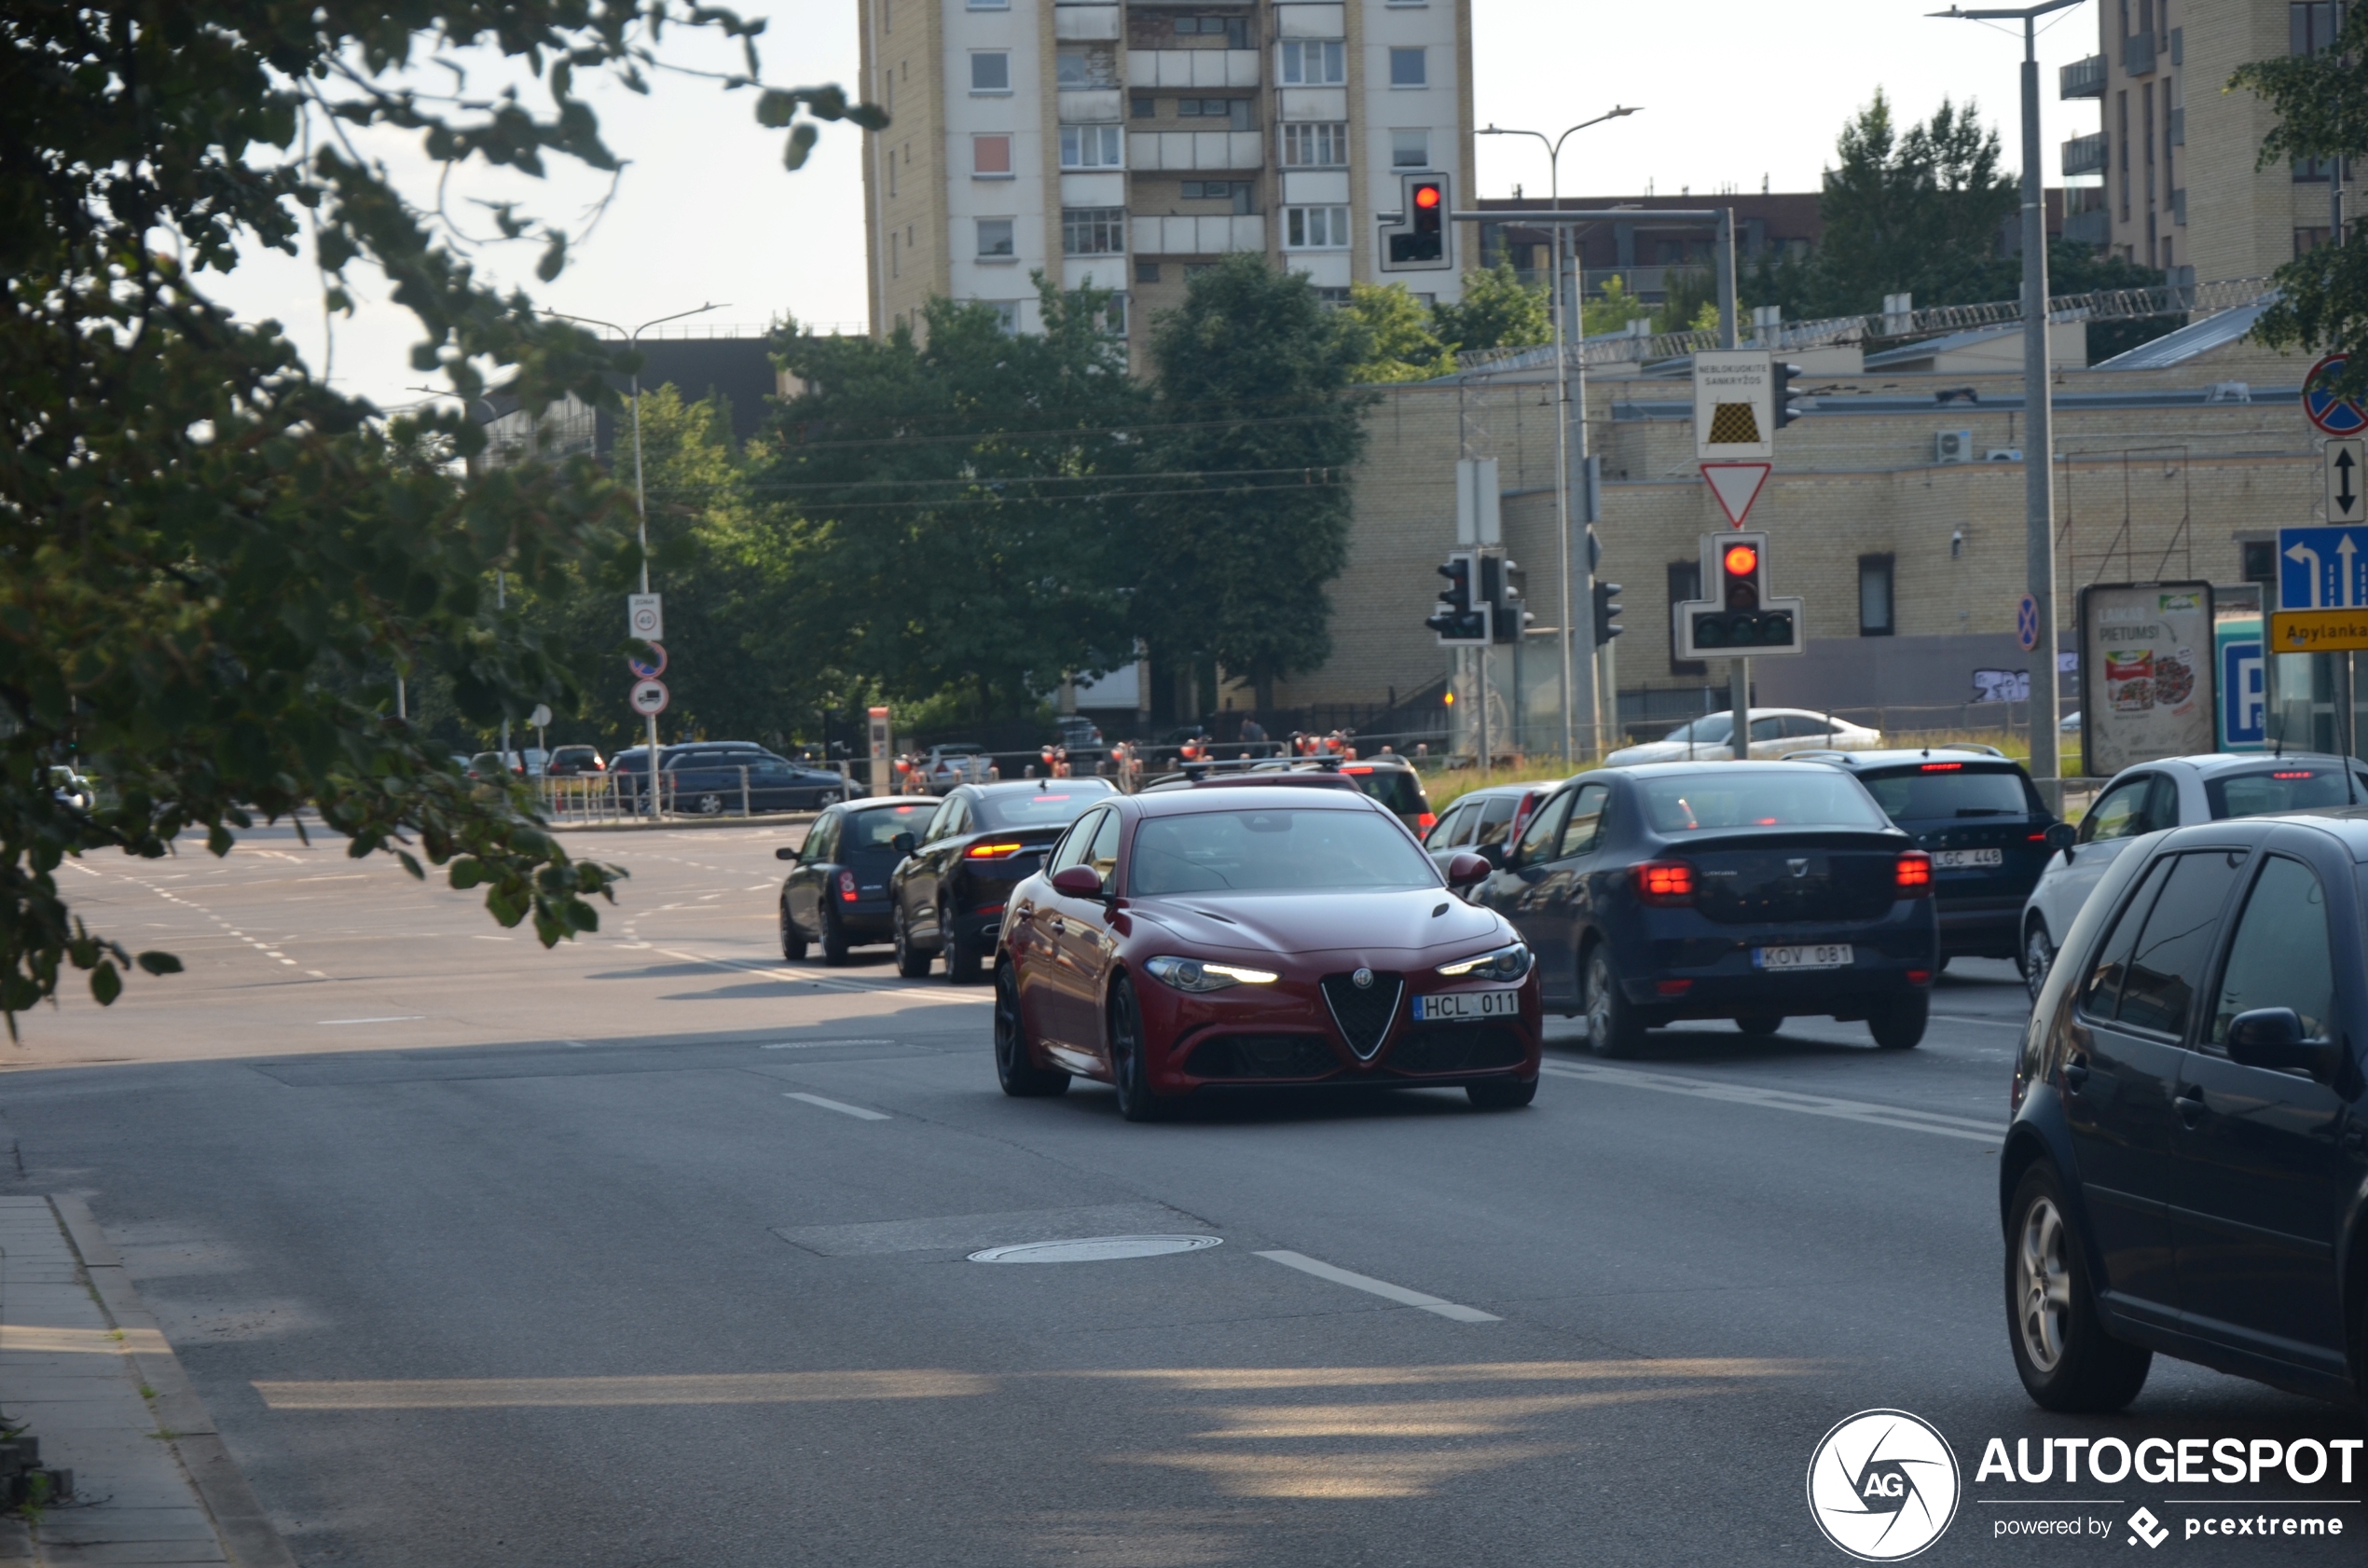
point(653, 1250)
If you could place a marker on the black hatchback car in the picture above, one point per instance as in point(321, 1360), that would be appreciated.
point(1984, 825)
point(2186, 1163)
point(837, 895)
point(947, 896)
point(1755, 891)
point(712, 777)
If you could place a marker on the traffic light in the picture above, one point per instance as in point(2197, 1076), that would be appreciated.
point(1418, 241)
point(1501, 588)
point(1782, 376)
point(1607, 609)
point(1460, 620)
point(1741, 619)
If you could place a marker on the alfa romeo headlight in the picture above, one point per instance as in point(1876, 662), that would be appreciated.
point(1506, 963)
point(1193, 974)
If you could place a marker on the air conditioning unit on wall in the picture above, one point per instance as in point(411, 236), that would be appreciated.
point(1953, 446)
point(2002, 454)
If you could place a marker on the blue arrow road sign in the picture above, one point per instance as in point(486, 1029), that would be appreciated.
point(2323, 569)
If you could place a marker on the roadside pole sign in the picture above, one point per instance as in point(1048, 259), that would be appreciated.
point(650, 669)
point(1735, 405)
point(2323, 568)
point(2337, 415)
point(541, 717)
point(2026, 622)
point(649, 697)
point(646, 615)
point(2346, 480)
point(1736, 486)
point(2317, 631)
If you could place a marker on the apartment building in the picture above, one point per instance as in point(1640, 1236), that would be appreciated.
point(2169, 179)
point(1127, 143)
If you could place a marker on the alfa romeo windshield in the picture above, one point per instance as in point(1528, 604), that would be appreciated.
point(1275, 851)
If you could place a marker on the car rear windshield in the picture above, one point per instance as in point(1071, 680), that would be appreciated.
point(1037, 809)
point(1395, 788)
point(873, 828)
point(1714, 728)
point(1949, 791)
point(1275, 851)
point(1746, 796)
point(2276, 789)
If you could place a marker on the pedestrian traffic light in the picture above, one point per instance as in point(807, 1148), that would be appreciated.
point(1788, 402)
point(1460, 619)
point(1418, 241)
point(1607, 608)
point(1501, 587)
point(1740, 618)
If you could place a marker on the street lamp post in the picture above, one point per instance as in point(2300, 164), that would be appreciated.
point(2039, 447)
point(1562, 450)
point(640, 498)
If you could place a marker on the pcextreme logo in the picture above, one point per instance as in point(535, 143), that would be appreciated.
point(1883, 1485)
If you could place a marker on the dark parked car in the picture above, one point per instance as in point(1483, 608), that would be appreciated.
point(1201, 939)
point(837, 896)
point(1484, 823)
point(705, 778)
point(984, 839)
point(2184, 1171)
point(574, 762)
point(1984, 825)
point(1755, 892)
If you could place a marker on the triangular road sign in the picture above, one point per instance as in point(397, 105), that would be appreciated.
point(1737, 486)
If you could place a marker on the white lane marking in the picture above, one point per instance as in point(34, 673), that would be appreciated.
point(1366, 1283)
point(903, 990)
point(841, 1107)
point(403, 1018)
point(575, 1045)
point(819, 1044)
point(1894, 1117)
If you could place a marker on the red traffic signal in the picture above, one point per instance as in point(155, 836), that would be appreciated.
point(1426, 196)
point(1742, 560)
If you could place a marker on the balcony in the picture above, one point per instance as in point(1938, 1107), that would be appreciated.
point(1195, 151)
point(2093, 226)
point(1199, 236)
point(1088, 23)
point(2137, 54)
point(1191, 68)
point(2084, 154)
point(2082, 78)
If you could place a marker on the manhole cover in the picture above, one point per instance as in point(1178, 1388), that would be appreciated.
point(1092, 1249)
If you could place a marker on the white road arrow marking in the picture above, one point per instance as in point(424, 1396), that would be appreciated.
point(2302, 553)
point(2344, 548)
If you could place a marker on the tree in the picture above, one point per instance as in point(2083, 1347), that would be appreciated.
point(213, 557)
point(2322, 103)
point(1260, 419)
point(1498, 311)
point(1399, 342)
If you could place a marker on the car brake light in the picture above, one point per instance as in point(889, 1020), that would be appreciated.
point(1357, 770)
point(1000, 850)
point(1944, 767)
point(1914, 877)
point(988, 909)
point(2303, 775)
point(2039, 838)
point(1664, 882)
point(1919, 977)
point(1673, 988)
point(846, 885)
point(1427, 820)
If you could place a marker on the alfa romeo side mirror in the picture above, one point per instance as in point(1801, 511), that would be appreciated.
point(1467, 868)
point(1078, 881)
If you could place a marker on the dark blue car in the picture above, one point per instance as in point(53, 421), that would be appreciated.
point(1755, 892)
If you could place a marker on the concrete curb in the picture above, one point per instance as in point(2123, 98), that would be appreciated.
point(247, 1534)
point(785, 819)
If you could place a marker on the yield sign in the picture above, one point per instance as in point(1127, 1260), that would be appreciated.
point(1737, 486)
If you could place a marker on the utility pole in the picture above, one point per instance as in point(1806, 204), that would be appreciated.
point(1739, 672)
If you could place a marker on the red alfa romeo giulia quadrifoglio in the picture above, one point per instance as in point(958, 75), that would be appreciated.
point(1190, 940)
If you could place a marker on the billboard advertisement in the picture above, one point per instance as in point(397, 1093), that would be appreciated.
point(2148, 674)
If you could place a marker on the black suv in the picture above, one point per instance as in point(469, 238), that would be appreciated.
point(2185, 1166)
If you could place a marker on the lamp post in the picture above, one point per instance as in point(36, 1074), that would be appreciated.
point(1562, 445)
point(2039, 447)
point(641, 499)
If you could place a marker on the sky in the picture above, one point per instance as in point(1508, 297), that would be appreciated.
point(1732, 92)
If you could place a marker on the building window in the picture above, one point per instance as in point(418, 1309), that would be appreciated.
point(995, 240)
point(2312, 27)
point(1410, 149)
point(1146, 271)
point(2121, 143)
point(1334, 299)
point(1114, 316)
point(1070, 68)
point(1310, 63)
point(990, 5)
point(1007, 313)
point(1684, 583)
point(1409, 68)
point(1874, 595)
point(1091, 147)
point(2261, 561)
point(1315, 228)
point(2309, 240)
point(1235, 29)
point(1093, 231)
point(1315, 146)
point(991, 157)
point(991, 71)
point(1143, 106)
point(1235, 111)
point(1238, 192)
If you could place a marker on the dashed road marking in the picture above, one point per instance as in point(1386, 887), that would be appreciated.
point(1382, 1288)
point(401, 1018)
point(841, 1107)
point(1896, 1116)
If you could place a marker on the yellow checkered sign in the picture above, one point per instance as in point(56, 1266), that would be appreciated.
point(1734, 405)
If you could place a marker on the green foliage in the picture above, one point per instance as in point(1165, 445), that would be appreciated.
point(1399, 343)
point(1613, 310)
point(1260, 419)
point(2321, 103)
point(1498, 311)
point(213, 557)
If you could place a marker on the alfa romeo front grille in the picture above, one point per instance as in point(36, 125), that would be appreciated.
point(1364, 1013)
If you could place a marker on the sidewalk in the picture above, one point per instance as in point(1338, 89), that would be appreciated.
point(83, 1367)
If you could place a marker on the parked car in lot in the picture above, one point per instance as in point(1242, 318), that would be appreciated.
point(1755, 892)
point(1185, 943)
point(1776, 732)
point(948, 894)
point(1979, 818)
point(2173, 793)
point(957, 761)
point(489, 765)
point(836, 895)
point(1484, 822)
point(705, 778)
point(2182, 1172)
point(574, 762)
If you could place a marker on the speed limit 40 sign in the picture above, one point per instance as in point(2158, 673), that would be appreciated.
point(645, 616)
point(649, 698)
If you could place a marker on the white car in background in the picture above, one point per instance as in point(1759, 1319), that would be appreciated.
point(1776, 732)
point(2174, 793)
